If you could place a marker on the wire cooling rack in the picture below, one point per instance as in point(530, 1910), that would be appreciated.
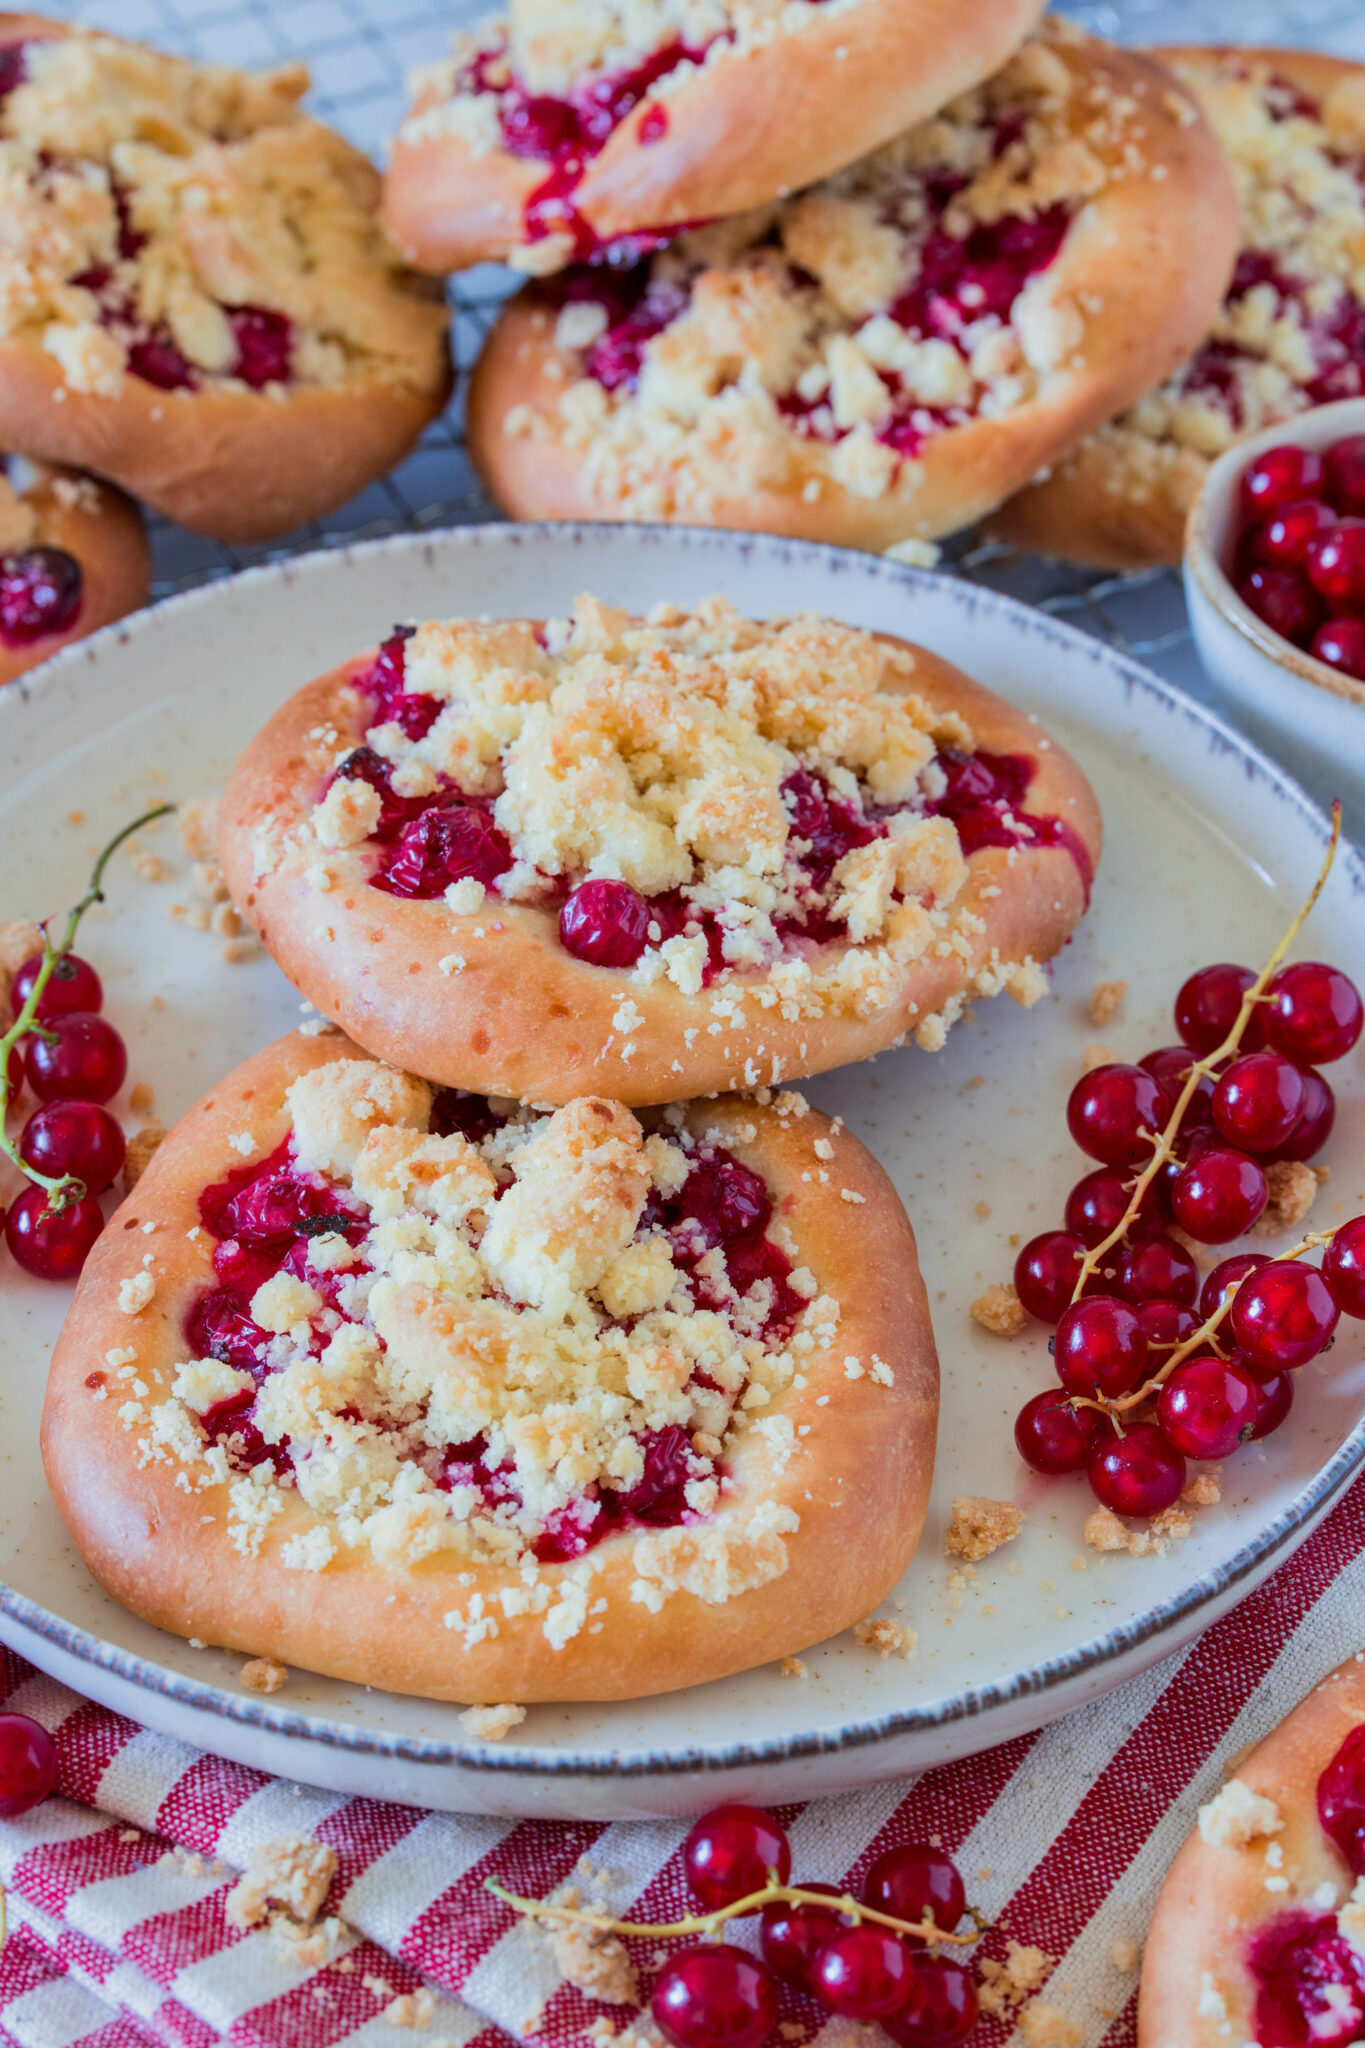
point(359, 52)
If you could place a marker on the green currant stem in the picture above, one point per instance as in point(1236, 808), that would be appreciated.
point(710, 1923)
point(63, 1189)
point(1164, 1144)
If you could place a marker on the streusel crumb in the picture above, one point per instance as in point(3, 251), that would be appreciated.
point(597, 1962)
point(980, 1526)
point(290, 1871)
point(1005, 1985)
point(887, 1638)
point(999, 1310)
point(1237, 1816)
point(1106, 1000)
point(1125, 1955)
point(141, 1147)
point(263, 1674)
point(414, 2009)
point(1293, 1191)
point(1047, 2026)
point(492, 1724)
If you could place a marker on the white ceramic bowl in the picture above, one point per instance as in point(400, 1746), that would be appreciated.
point(1306, 714)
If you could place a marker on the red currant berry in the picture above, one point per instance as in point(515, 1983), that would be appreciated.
point(1340, 644)
point(1228, 1273)
point(77, 1138)
point(730, 1852)
point(1207, 1407)
point(1258, 1101)
point(1169, 1065)
point(1101, 1348)
point(1045, 1273)
point(1219, 1195)
point(1054, 1437)
point(52, 1245)
point(1275, 1399)
point(793, 1935)
point(1208, 1005)
point(28, 1764)
point(1284, 600)
point(1335, 560)
point(1343, 1268)
point(1137, 1474)
point(918, 1882)
point(1279, 475)
point(14, 1073)
point(1284, 540)
point(85, 1060)
point(73, 985)
point(714, 1998)
point(1098, 1204)
point(1314, 1126)
point(863, 1973)
point(1157, 1269)
point(40, 593)
point(941, 2008)
point(1113, 1112)
point(1314, 1014)
point(605, 923)
point(1165, 1325)
point(1283, 1315)
point(1344, 479)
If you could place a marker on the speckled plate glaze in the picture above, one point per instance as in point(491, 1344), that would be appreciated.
point(1209, 850)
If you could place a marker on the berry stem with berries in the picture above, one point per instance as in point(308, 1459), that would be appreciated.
point(1163, 1143)
point(62, 1189)
point(708, 1924)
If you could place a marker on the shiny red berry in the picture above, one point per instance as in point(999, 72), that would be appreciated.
point(1283, 1315)
point(1315, 1123)
point(1157, 1269)
point(1278, 475)
point(917, 1882)
point(792, 1935)
point(1098, 1204)
point(1286, 536)
point(715, 1997)
point(28, 1764)
point(1113, 1112)
point(1045, 1273)
point(1219, 1195)
point(1340, 644)
point(1344, 473)
point(1258, 1101)
point(1165, 1324)
point(1284, 600)
point(1170, 1064)
point(1228, 1273)
point(1054, 1437)
point(85, 1059)
point(1139, 1473)
point(1208, 1005)
point(1207, 1407)
point(72, 985)
point(1343, 1268)
point(863, 1973)
point(730, 1852)
point(1275, 1399)
point(40, 594)
point(940, 2009)
point(605, 923)
point(1101, 1348)
point(1335, 560)
point(76, 1138)
point(1314, 1013)
point(52, 1245)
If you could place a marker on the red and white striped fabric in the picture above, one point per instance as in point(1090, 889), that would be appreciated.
point(118, 1941)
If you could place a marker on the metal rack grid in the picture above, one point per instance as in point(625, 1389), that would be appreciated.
point(359, 52)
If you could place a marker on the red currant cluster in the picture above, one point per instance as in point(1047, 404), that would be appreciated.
point(28, 1764)
point(1184, 1137)
point(866, 1959)
point(1300, 562)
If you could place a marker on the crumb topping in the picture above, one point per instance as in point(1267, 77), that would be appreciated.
point(1237, 1816)
point(494, 1334)
point(999, 1310)
point(185, 224)
point(820, 344)
point(980, 1526)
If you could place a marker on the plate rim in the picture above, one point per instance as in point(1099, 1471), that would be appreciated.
point(969, 1703)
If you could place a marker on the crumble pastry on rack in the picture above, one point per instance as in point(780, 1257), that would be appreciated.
point(567, 124)
point(1290, 333)
point(653, 858)
point(197, 299)
point(1259, 1931)
point(888, 356)
point(73, 558)
point(466, 1400)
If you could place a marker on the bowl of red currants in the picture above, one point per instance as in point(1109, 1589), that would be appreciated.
point(1275, 578)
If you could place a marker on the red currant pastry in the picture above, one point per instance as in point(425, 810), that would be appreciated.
point(1291, 331)
point(204, 306)
point(73, 558)
point(565, 126)
point(651, 859)
point(460, 1399)
point(887, 356)
point(1259, 1933)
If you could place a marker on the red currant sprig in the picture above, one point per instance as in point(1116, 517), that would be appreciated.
point(74, 1061)
point(873, 1958)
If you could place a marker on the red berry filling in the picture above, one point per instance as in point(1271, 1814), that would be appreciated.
point(40, 594)
point(984, 799)
point(452, 841)
point(265, 343)
point(1341, 1800)
point(1310, 1984)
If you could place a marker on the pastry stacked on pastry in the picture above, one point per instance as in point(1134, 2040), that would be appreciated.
point(593, 1362)
point(743, 318)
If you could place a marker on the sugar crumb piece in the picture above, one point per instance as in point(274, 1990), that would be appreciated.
point(1293, 1190)
point(263, 1674)
point(1236, 1816)
point(1106, 1000)
point(141, 1146)
point(150, 867)
point(243, 1142)
point(491, 1724)
point(980, 1526)
point(1047, 2026)
point(140, 1098)
point(1124, 1955)
point(290, 1871)
point(1093, 1056)
point(1106, 1533)
point(1005, 1985)
point(588, 1957)
point(414, 2009)
point(1203, 1491)
point(852, 1195)
point(792, 1667)
point(887, 1638)
point(135, 1293)
point(999, 1310)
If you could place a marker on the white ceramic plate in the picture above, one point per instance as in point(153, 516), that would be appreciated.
point(1209, 850)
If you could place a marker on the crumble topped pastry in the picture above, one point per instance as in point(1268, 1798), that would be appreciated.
point(702, 798)
point(185, 224)
point(824, 342)
point(455, 1325)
